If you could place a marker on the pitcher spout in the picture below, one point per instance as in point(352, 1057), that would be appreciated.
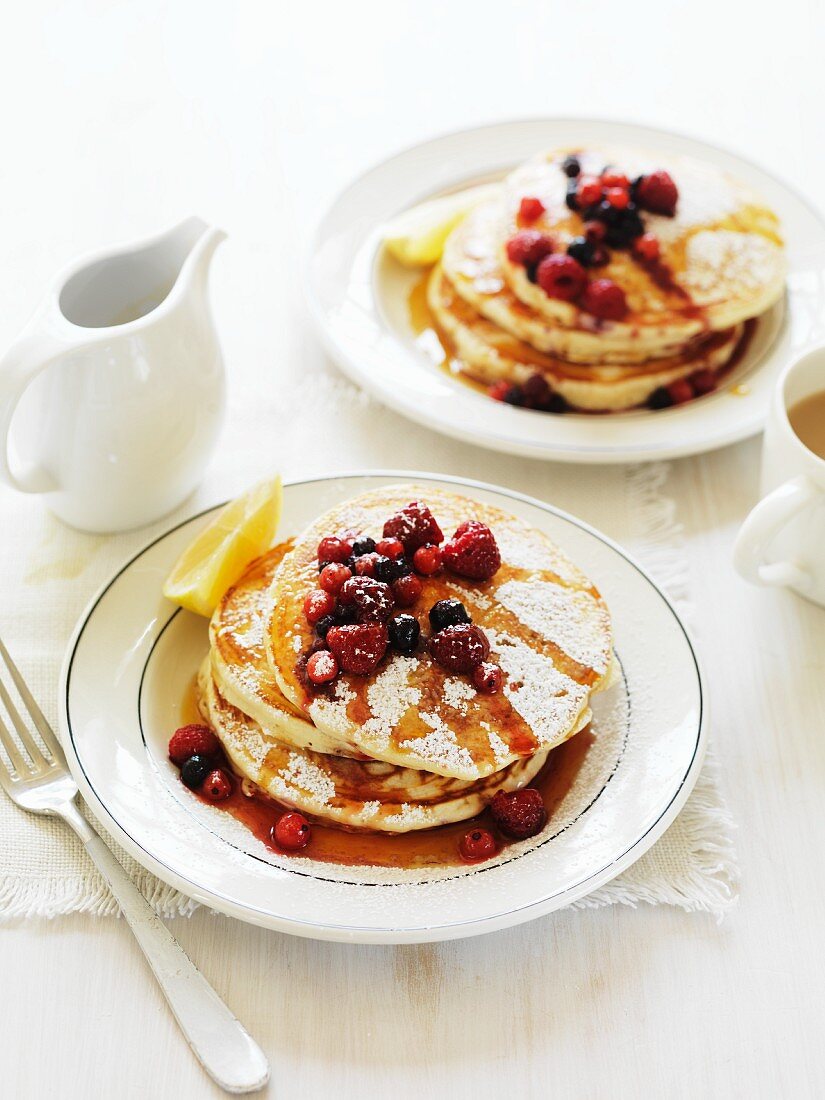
point(204, 239)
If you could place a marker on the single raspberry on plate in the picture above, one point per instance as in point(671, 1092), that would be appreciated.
point(372, 599)
point(427, 560)
point(321, 667)
point(528, 247)
point(413, 526)
point(334, 549)
point(459, 648)
point(472, 551)
point(217, 786)
point(657, 193)
point(561, 277)
point(292, 832)
point(519, 813)
point(604, 299)
point(192, 740)
point(476, 845)
point(359, 648)
point(530, 208)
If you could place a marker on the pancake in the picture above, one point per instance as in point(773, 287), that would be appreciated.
point(488, 354)
point(548, 628)
point(240, 667)
point(721, 249)
point(348, 793)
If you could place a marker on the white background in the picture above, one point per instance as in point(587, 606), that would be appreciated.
point(118, 119)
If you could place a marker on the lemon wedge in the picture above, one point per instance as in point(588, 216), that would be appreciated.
point(417, 236)
point(213, 562)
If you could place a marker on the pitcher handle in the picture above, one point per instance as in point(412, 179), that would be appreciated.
point(765, 522)
point(21, 364)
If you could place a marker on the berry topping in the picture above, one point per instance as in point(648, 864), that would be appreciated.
point(407, 590)
point(365, 565)
point(529, 209)
point(498, 391)
point(571, 167)
point(292, 832)
point(583, 250)
point(561, 277)
point(413, 526)
point(318, 604)
point(680, 391)
point(660, 399)
point(358, 648)
point(595, 231)
point(612, 178)
point(448, 612)
point(459, 648)
point(217, 786)
point(390, 548)
point(427, 560)
point(487, 678)
point(363, 545)
point(623, 227)
point(536, 391)
point(588, 191)
point(657, 193)
point(618, 197)
point(570, 200)
point(321, 667)
point(519, 813)
point(334, 549)
point(384, 569)
point(528, 247)
point(372, 599)
point(646, 247)
point(192, 740)
point(703, 381)
point(604, 299)
point(333, 576)
point(476, 845)
point(472, 551)
point(194, 770)
point(404, 633)
point(323, 625)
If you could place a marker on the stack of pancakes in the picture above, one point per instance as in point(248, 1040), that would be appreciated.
point(721, 264)
point(409, 746)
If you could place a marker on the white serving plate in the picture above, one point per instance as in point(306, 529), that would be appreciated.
point(133, 655)
point(359, 297)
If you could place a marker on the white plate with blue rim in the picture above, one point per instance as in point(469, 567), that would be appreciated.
point(360, 299)
point(124, 685)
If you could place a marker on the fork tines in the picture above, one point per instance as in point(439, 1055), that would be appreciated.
point(25, 754)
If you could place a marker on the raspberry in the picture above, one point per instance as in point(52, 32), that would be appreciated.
point(359, 648)
point(365, 565)
point(413, 526)
point(390, 548)
point(334, 549)
point(657, 193)
point(321, 667)
point(217, 786)
point(528, 247)
point(487, 678)
point(520, 813)
point(317, 604)
point(292, 832)
point(618, 197)
point(459, 648)
point(603, 298)
point(476, 845)
point(407, 590)
point(427, 560)
point(472, 551)
point(646, 247)
point(372, 599)
point(192, 740)
point(588, 191)
point(561, 277)
point(703, 381)
point(448, 612)
point(332, 576)
point(529, 209)
point(498, 391)
point(680, 391)
point(612, 178)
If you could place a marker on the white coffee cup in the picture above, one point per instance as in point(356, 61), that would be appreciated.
point(782, 542)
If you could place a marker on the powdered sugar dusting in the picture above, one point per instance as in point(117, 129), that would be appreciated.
point(569, 618)
point(457, 693)
point(441, 747)
point(389, 698)
point(723, 262)
point(307, 776)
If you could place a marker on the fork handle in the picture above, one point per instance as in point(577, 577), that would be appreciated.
point(218, 1040)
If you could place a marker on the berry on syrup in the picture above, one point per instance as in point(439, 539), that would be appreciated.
point(561, 276)
point(476, 845)
point(194, 771)
point(292, 832)
point(448, 612)
point(217, 786)
point(404, 633)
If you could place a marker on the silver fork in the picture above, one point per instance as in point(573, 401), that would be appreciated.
point(40, 782)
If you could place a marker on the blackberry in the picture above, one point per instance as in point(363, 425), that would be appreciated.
point(402, 567)
point(556, 404)
point(384, 569)
point(361, 546)
point(195, 770)
point(323, 625)
point(449, 612)
point(583, 250)
point(571, 167)
point(404, 633)
point(660, 399)
point(622, 232)
point(344, 615)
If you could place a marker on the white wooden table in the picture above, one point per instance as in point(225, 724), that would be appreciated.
point(117, 120)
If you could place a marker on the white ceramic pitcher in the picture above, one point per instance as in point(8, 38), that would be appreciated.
point(112, 397)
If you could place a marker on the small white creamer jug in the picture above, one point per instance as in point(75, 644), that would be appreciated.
point(112, 397)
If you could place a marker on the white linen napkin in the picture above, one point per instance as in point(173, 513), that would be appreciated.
point(317, 424)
